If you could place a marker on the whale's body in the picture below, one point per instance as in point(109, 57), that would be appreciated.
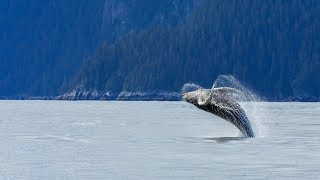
point(221, 102)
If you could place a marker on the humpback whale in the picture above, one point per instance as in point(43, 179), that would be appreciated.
point(222, 103)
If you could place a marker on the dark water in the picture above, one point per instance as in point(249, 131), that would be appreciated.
point(155, 140)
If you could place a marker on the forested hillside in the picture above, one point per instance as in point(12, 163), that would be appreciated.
point(43, 43)
point(273, 46)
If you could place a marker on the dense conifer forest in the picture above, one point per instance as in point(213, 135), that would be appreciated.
point(272, 46)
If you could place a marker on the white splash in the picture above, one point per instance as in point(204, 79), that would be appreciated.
point(248, 99)
point(189, 87)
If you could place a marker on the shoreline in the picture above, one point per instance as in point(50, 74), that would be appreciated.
point(158, 98)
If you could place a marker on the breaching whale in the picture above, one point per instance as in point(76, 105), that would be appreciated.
point(221, 102)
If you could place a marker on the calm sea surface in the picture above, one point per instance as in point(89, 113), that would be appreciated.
point(155, 140)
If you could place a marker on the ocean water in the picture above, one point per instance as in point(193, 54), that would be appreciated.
point(155, 140)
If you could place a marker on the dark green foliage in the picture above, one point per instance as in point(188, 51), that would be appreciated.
point(271, 45)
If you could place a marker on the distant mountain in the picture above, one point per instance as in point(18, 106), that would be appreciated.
point(121, 17)
point(273, 46)
point(43, 43)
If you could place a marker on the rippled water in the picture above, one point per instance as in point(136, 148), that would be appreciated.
point(155, 140)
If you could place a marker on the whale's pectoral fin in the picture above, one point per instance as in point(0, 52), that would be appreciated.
point(228, 91)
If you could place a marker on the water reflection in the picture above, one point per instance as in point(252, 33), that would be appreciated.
point(223, 139)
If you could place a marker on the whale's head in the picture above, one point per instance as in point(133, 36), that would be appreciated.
point(198, 97)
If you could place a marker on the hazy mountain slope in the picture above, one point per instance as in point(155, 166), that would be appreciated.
point(43, 43)
point(123, 16)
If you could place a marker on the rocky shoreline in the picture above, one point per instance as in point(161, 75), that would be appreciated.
point(76, 95)
point(122, 96)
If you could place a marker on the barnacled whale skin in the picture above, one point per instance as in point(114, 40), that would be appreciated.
point(221, 102)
